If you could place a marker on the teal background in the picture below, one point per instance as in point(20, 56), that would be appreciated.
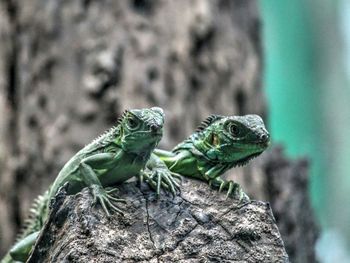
point(306, 79)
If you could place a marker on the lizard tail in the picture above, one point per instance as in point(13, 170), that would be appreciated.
point(37, 215)
point(7, 259)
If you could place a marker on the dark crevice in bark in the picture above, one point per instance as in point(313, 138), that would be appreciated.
point(12, 78)
point(225, 229)
point(12, 89)
point(148, 219)
point(183, 238)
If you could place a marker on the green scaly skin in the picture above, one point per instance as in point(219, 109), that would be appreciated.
point(112, 158)
point(218, 144)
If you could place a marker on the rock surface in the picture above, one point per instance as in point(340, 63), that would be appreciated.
point(198, 225)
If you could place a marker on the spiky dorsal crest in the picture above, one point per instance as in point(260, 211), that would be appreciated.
point(208, 121)
point(34, 221)
point(120, 119)
point(188, 143)
point(102, 139)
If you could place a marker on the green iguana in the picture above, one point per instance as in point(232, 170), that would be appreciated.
point(218, 144)
point(112, 158)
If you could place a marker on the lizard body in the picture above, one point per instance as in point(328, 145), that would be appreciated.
point(112, 158)
point(218, 144)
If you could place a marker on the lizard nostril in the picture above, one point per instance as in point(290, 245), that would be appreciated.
point(154, 127)
point(264, 137)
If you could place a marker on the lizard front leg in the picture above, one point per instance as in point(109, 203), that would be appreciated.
point(157, 174)
point(233, 188)
point(99, 162)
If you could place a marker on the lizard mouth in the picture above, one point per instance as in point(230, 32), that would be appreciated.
point(259, 147)
point(264, 144)
point(246, 160)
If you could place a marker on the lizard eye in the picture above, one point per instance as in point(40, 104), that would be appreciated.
point(132, 123)
point(234, 130)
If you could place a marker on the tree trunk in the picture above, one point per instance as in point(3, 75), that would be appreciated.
point(69, 68)
point(286, 187)
point(198, 225)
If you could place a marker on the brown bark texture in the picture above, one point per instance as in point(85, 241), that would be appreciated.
point(198, 225)
point(69, 68)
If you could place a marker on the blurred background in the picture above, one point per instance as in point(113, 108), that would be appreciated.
point(69, 68)
point(306, 79)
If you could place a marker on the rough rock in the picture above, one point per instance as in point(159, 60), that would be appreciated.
point(198, 225)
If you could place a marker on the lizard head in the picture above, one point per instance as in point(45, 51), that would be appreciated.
point(142, 129)
point(232, 139)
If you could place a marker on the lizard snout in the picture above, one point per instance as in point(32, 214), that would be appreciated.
point(156, 128)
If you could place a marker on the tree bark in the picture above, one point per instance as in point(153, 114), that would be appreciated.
point(69, 68)
point(286, 188)
point(198, 225)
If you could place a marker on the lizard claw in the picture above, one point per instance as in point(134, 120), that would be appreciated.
point(162, 178)
point(177, 176)
point(231, 185)
point(111, 190)
point(222, 187)
point(244, 198)
point(239, 194)
point(105, 199)
point(234, 190)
